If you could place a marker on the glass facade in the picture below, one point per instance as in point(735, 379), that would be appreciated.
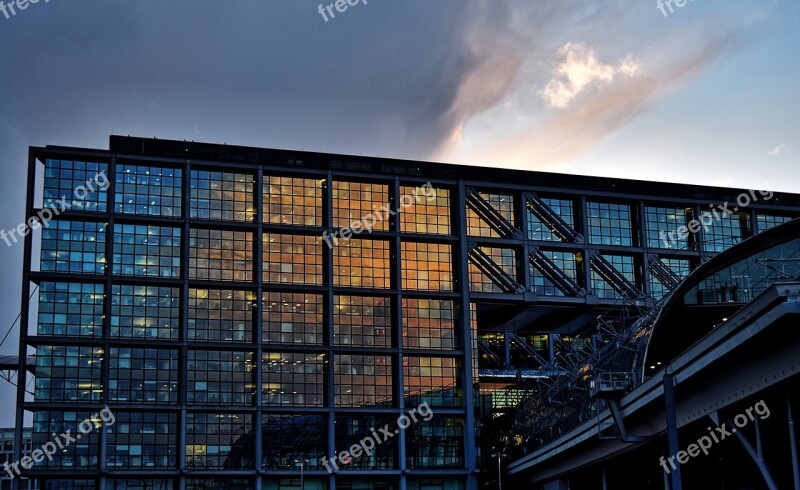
point(240, 319)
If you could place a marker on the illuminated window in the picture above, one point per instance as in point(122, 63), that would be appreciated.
point(68, 373)
point(362, 264)
point(153, 251)
point(354, 201)
point(427, 266)
point(82, 186)
point(220, 377)
point(362, 321)
point(142, 440)
point(293, 200)
point(74, 246)
point(436, 380)
point(293, 379)
point(221, 315)
point(429, 213)
point(222, 196)
point(219, 441)
point(292, 259)
point(292, 318)
point(145, 190)
point(139, 375)
point(610, 224)
point(362, 380)
point(145, 312)
point(429, 324)
point(218, 255)
point(70, 309)
point(82, 453)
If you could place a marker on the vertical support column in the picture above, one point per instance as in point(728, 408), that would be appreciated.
point(183, 354)
point(328, 332)
point(461, 266)
point(395, 284)
point(22, 372)
point(642, 229)
point(257, 326)
point(583, 218)
point(522, 223)
point(506, 350)
point(793, 442)
point(107, 290)
point(672, 425)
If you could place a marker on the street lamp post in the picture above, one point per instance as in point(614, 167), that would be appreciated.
point(499, 473)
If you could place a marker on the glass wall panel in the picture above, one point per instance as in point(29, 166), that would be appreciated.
point(292, 438)
point(361, 263)
point(680, 267)
point(437, 443)
point(222, 196)
point(81, 454)
point(82, 186)
point(74, 246)
point(537, 230)
point(429, 213)
point(293, 200)
point(293, 379)
point(68, 373)
point(147, 190)
point(434, 484)
point(141, 250)
point(145, 312)
point(220, 377)
point(662, 224)
point(566, 262)
point(351, 429)
point(362, 380)
point(221, 315)
point(725, 230)
point(292, 259)
point(502, 203)
point(70, 309)
point(362, 321)
point(348, 483)
point(769, 221)
point(435, 380)
point(218, 255)
point(610, 224)
point(625, 265)
point(429, 324)
point(427, 266)
point(292, 318)
point(141, 484)
point(216, 441)
point(505, 258)
point(353, 201)
point(138, 375)
point(143, 440)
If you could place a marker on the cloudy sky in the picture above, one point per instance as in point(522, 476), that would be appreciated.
point(707, 94)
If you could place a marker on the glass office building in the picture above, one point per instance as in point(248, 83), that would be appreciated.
point(248, 314)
